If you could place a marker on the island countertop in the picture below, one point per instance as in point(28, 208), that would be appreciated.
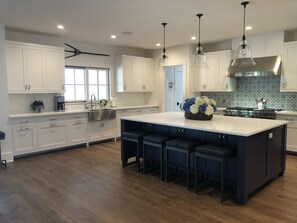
point(220, 124)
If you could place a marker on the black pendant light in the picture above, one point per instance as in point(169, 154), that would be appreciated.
point(164, 58)
point(243, 54)
point(199, 56)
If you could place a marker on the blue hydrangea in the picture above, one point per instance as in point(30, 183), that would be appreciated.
point(202, 108)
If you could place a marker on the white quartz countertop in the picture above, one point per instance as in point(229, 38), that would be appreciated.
point(66, 112)
point(219, 124)
point(287, 113)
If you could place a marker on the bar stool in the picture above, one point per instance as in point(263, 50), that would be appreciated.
point(156, 141)
point(217, 153)
point(181, 146)
point(2, 162)
point(135, 137)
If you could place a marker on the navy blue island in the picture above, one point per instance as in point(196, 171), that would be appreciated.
point(260, 145)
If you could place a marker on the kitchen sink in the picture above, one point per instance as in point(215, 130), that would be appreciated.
point(101, 114)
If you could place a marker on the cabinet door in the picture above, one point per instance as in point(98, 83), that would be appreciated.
point(35, 68)
point(77, 132)
point(24, 139)
point(15, 54)
point(147, 75)
point(52, 135)
point(137, 74)
point(289, 76)
point(211, 73)
point(54, 72)
point(127, 74)
point(225, 83)
point(107, 129)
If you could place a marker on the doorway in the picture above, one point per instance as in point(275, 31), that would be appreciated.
point(173, 87)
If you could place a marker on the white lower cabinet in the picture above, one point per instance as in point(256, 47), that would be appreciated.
point(100, 130)
point(291, 131)
point(24, 136)
point(130, 112)
point(77, 132)
point(52, 135)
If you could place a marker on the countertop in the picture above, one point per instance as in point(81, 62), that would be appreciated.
point(66, 112)
point(219, 124)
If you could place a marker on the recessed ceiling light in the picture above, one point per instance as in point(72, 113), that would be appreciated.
point(158, 44)
point(113, 36)
point(60, 26)
point(193, 38)
point(248, 28)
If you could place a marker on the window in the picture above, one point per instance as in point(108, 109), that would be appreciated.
point(82, 82)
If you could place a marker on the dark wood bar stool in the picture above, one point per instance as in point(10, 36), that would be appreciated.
point(214, 152)
point(135, 137)
point(156, 141)
point(182, 146)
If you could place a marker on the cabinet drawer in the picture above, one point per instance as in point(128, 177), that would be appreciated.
point(21, 122)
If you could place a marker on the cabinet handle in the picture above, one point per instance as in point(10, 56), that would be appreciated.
point(63, 87)
point(23, 122)
point(53, 125)
point(52, 119)
point(24, 129)
point(26, 87)
point(226, 86)
point(77, 116)
point(143, 87)
point(29, 87)
point(124, 87)
point(284, 85)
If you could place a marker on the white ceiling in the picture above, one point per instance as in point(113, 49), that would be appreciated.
point(95, 20)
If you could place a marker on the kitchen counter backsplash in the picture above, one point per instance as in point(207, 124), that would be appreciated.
point(250, 88)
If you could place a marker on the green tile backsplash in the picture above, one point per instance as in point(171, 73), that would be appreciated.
point(256, 87)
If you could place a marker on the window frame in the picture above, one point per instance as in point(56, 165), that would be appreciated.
point(86, 78)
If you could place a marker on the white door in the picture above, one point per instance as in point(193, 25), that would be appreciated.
point(173, 87)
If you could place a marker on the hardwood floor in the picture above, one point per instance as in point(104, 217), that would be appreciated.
point(89, 185)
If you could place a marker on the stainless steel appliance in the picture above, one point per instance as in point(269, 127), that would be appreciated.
point(59, 103)
point(266, 113)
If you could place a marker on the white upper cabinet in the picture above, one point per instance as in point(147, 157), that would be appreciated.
point(289, 65)
point(33, 68)
point(270, 44)
point(134, 74)
point(214, 77)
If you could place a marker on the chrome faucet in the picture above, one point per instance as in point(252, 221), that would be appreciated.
point(92, 100)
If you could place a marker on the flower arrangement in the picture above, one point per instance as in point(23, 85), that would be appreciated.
point(37, 106)
point(198, 104)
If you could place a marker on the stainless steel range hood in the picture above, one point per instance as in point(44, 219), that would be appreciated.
point(265, 66)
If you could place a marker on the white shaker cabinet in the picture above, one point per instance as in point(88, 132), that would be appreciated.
point(289, 65)
point(54, 70)
point(53, 134)
point(33, 68)
point(24, 132)
point(99, 130)
point(134, 74)
point(77, 130)
point(214, 77)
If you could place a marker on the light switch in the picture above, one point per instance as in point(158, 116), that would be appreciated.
point(270, 135)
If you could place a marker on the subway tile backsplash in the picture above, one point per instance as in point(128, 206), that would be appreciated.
point(256, 87)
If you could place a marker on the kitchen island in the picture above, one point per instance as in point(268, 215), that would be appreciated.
point(260, 144)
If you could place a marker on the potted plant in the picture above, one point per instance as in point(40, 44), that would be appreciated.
point(37, 106)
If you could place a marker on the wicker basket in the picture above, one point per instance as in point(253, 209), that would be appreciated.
point(198, 116)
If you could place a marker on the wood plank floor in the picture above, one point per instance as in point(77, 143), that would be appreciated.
point(89, 185)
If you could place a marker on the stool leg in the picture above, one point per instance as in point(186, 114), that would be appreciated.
point(188, 171)
point(161, 162)
point(137, 156)
point(196, 174)
point(222, 179)
point(166, 173)
point(143, 155)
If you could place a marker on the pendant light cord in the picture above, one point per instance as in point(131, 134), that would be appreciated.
point(243, 31)
point(164, 50)
point(199, 44)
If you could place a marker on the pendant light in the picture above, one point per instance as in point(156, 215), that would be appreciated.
point(164, 58)
point(243, 54)
point(199, 56)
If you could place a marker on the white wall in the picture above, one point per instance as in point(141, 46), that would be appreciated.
point(4, 115)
